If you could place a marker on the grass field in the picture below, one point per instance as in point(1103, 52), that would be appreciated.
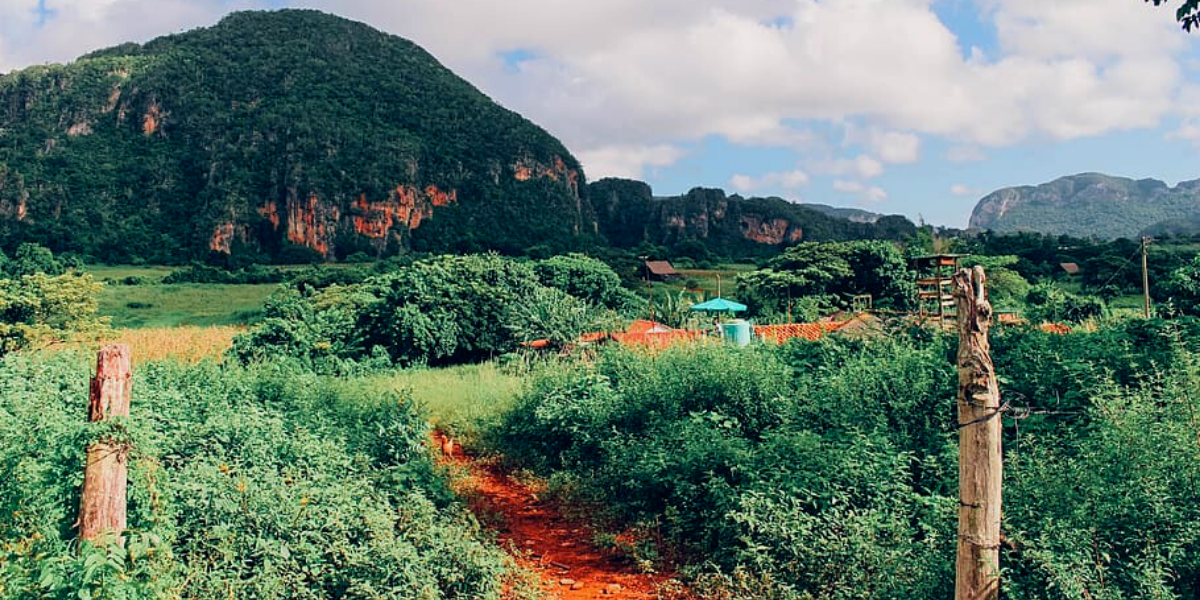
point(186, 304)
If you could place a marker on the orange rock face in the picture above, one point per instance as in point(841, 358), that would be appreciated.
point(312, 223)
point(772, 231)
point(222, 238)
point(526, 169)
point(309, 222)
point(406, 207)
point(152, 120)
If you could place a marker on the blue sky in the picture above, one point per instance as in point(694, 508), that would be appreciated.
point(916, 107)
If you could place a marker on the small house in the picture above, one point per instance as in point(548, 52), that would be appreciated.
point(660, 270)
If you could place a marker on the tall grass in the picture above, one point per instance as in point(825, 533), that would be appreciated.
point(458, 400)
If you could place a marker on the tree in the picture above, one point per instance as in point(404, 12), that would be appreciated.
point(827, 276)
point(39, 307)
point(1188, 13)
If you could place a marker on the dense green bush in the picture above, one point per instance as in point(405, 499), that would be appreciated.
point(206, 274)
point(1048, 304)
point(43, 299)
point(747, 462)
point(829, 469)
point(260, 483)
point(436, 311)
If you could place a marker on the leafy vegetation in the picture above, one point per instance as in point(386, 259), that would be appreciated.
point(42, 300)
point(810, 280)
point(442, 310)
point(813, 470)
point(251, 483)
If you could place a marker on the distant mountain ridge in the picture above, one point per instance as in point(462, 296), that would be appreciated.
point(1089, 205)
point(629, 213)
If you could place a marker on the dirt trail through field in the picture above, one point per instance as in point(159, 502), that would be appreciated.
point(560, 551)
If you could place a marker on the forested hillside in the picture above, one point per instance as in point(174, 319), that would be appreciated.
point(290, 134)
point(629, 213)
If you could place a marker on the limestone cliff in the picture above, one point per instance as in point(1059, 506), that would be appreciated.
point(628, 214)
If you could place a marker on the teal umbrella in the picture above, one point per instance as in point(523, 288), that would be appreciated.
point(719, 305)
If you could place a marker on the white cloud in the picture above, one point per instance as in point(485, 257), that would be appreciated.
point(960, 189)
point(848, 187)
point(788, 180)
point(627, 161)
point(77, 27)
point(618, 78)
point(874, 195)
point(866, 194)
point(893, 147)
point(861, 166)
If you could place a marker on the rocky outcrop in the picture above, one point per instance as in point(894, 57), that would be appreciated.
point(1087, 205)
point(629, 214)
point(770, 231)
point(222, 238)
point(308, 220)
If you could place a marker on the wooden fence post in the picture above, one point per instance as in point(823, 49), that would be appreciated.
point(977, 569)
point(102, 505)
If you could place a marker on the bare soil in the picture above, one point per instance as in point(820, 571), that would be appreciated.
point(560, 551)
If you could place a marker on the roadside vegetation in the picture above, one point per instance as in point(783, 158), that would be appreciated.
point(290, 458)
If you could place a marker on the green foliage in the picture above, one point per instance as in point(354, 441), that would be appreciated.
point(1182, 287)
point(1007, 289)
point(41, 301)
point(829, 469)
point(206, 274)
point(266, 483)
point(585, 278)
point(826, 276)
point(143, 151)
point(750, 464)
point(1188, 13)
point(1049, 304)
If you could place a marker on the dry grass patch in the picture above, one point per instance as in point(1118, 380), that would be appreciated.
point(186, 344)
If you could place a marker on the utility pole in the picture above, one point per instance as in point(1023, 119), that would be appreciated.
point(1146, 274)
point(977, 565)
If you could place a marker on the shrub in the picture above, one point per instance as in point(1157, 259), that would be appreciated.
point(254, 483)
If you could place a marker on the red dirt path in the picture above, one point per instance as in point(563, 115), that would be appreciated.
point(557, 549)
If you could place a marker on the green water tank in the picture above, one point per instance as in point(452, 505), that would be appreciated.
point(738, 332)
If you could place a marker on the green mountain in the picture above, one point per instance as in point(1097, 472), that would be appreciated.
point(629, 213)
point(1089, 205)
point(275, 135)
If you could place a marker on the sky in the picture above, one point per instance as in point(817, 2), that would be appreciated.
point(914, 107)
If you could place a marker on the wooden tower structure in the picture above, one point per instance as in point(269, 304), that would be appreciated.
point(935, 287)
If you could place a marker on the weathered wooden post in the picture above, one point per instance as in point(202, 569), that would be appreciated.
point(977, 568)
point(102, 506)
